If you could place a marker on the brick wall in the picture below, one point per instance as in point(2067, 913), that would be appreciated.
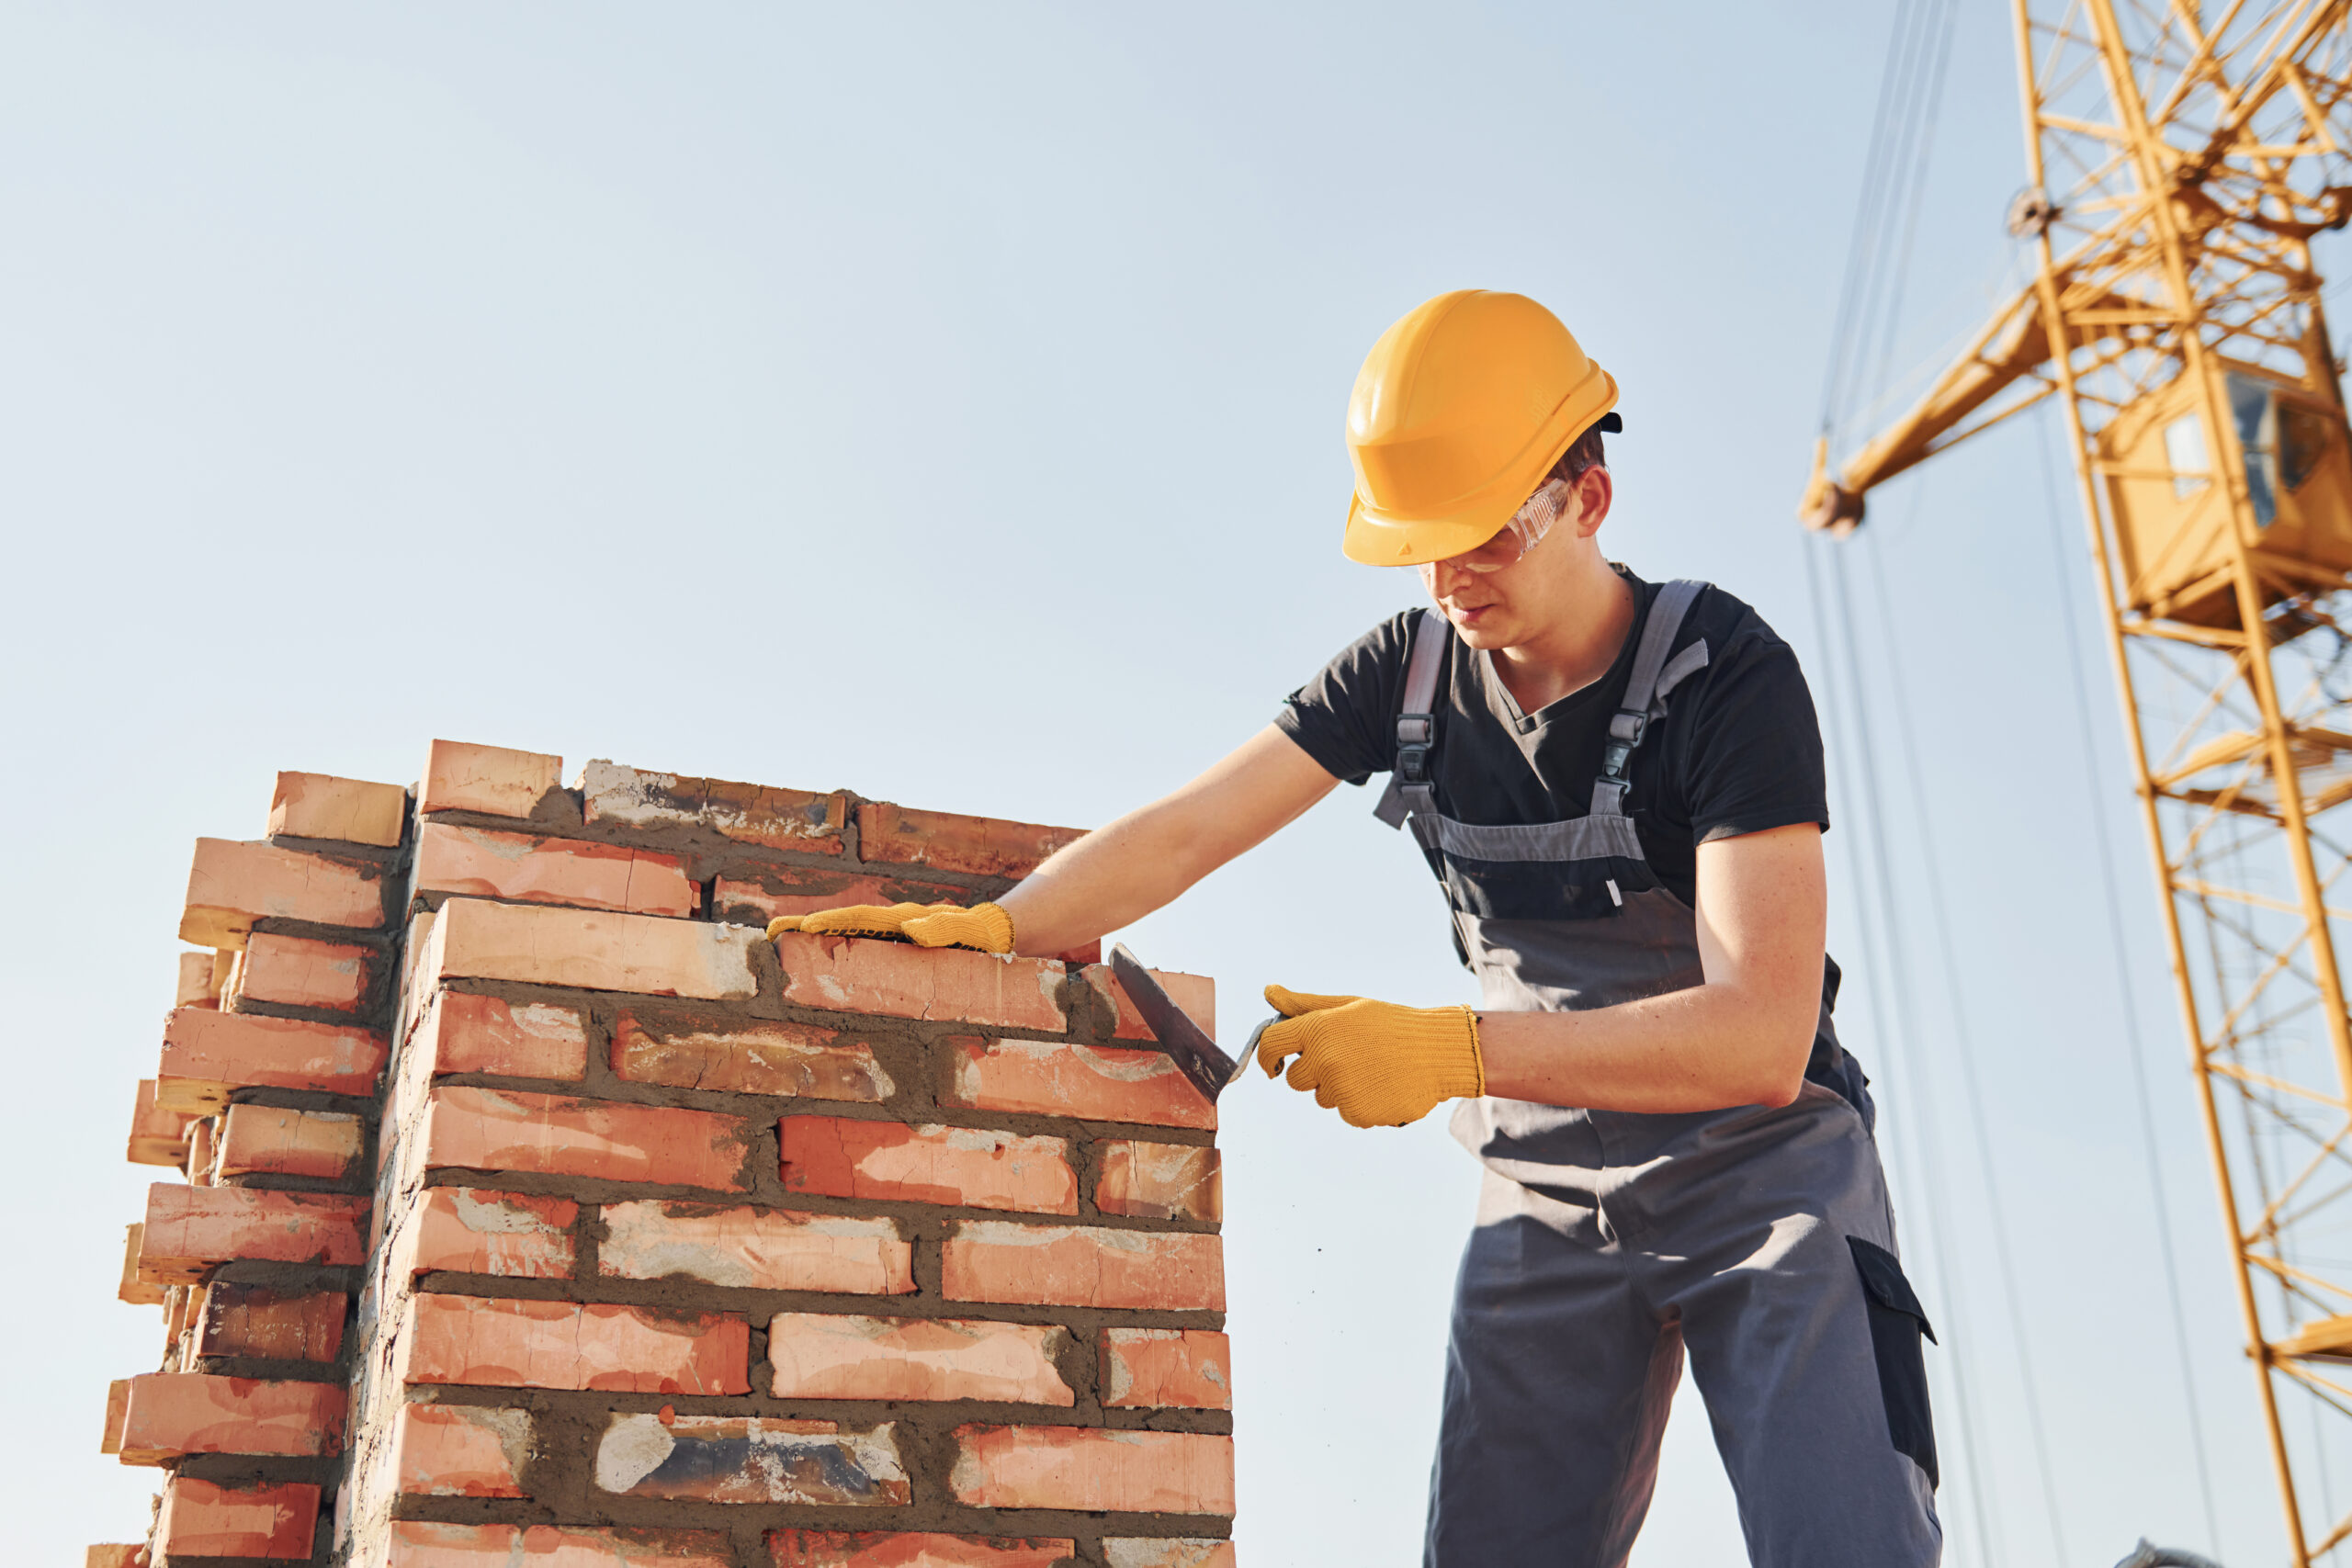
point(538, 1212)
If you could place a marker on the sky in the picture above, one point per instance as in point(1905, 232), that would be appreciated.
point(946, 402)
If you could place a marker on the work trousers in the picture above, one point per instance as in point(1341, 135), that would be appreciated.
point(1760, 1243)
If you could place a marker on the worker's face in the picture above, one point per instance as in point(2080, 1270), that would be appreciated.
point(1497, 606)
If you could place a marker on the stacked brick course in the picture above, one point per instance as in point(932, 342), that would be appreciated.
point(540, 1212)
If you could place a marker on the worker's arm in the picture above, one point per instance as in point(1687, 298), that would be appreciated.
point(1119, 873)
point(1742, 1038)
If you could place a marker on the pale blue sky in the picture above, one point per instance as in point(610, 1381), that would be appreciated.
point(946, 402)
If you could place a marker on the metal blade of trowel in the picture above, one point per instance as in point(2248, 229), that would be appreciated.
point(1209, 1068)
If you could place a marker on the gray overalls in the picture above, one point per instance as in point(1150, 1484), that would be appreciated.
point(1606, 1242)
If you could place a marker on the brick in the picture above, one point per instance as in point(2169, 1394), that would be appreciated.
point(194, 987)
point(460, 1451)
point(463, 1033)
point(1088, 1468)
point(133, 1290)
point(117, 1401)
point(157, 1136)
point(298, 972)
point(1179, 1367)
point(503, 1130)
point(752, 814)
point(837, 1157)
point(1194, 993)
point(897, 980)
point(267, 1139)
point(419, 1544)
point(531, 1344)
point(479, 862)
point(115, 1556)
point(206, 1054)
point(233, 885)
point(171, 1414)
point(200, 1518)
point(731, 1459)
point(847, 1549)
point(462, 776)
point(980, 845)
point(829, 1356)
point(470, 1231)
point(795, 1059)
point(277, 1325)
point(1166, 1551)
point(754, 1248)
point(998, 1261)
point(351, 811)
point(803, 890)
point(1161, 1181)
point(187, 1229)
point(202, 1133)
point(593, 950)
point(1093, 1083)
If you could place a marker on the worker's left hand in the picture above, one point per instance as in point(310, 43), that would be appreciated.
point(983, 927)
point(1377, 1063)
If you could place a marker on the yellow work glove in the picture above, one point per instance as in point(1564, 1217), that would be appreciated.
point(1377, 1063)
point(983, 928)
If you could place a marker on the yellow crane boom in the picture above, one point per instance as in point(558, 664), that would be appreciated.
point(2181, 157)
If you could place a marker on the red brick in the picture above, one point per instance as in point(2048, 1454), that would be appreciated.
point(267, 1139)
point(980, 845)
point(206, 1053)
point(194, 987)
point(804, 890)
point(201, 1519)
point(732, 1458)
point(1093, 1083)
point(171, 1414)
point(417, 1543)
point(187, 1229)
point(299, 973)
point(842, 1549)
point(467, 1033)
point(157, 1136)
point(134, 1291)
point(1166, 1551)
point(470, 1231)
point(998, 1261)
point(830, 1356)
point(351, 811)
point(1161, 1181)
point(117, 1404)
point(1184, 1368)
point(501, 1130)
point(529, 1344)
point(479, 862)
point(836, 1157)
point(233, 885)
point(202, 1135)
point(460, 1451)
point(1088, 1468)
point(795, 1059)
point(897, 980)
point(754, 1248)
point(462, 776)
point(590, 949)
point(115, 1555)
point(254, 1320)
point(752, 814)
point(1194, 993)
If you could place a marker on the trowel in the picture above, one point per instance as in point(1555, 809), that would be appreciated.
point(1209, 1068)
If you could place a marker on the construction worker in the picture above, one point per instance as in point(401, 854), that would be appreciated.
point(1619, 784)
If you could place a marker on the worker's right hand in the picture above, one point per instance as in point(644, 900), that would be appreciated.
point(983, 928)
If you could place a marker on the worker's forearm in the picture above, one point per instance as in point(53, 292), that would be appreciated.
point(1707, 1048)
point(1113, 877)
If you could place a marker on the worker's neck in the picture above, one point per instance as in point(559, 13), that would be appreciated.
point(1587, 614)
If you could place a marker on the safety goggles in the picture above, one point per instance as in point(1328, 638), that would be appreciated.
point(1515, 539)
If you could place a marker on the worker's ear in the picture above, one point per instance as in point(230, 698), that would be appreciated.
point(1593, 494)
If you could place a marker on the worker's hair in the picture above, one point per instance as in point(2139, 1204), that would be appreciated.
point(1583, 453)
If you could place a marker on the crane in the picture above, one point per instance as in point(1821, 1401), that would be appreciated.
point(2181, 157)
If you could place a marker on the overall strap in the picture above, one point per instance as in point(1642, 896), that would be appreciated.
point(1409, 789)
point(1632, 721)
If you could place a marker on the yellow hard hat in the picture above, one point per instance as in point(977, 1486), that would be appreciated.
point(1459, 412)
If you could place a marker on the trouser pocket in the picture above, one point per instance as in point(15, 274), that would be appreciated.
point(1898, 1324)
